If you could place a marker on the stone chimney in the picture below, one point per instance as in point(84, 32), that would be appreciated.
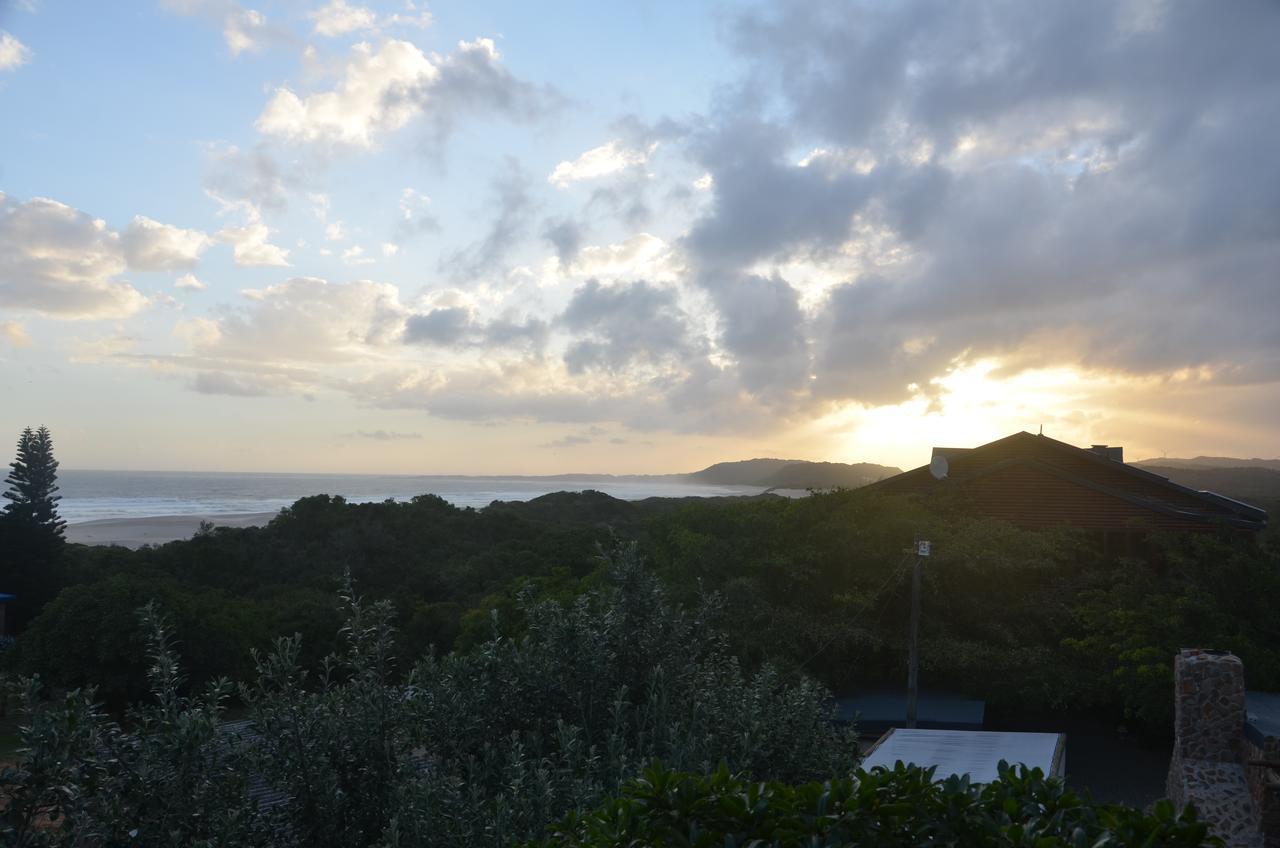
point(1209, 708)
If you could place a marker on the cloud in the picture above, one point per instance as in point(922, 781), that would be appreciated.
point(235, 385)
point(618, 326)
point(302, 320)
point(354, 255)
point(385, 435)
point(640, 255)
point(251, 242)
point(569, 441)
point(895, 188)
point(339, 18)
point(458, 327)
point(188, 282)
point(566, 237)
point(514, 210)
point(13, 53)
point(251, 245)
point(608, 158)
point(14, 333)
point(152, 246)
point(415, 216)
point(253, 176)
point(244, 30)
point(383, 90)
point(60, 262)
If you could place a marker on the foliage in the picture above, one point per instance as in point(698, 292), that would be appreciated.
point(484, 748)
point(31, 543)
point(33, 498)
point(1025, 620)
point(902, 807)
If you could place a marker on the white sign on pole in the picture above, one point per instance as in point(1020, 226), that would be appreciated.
point(923, 548)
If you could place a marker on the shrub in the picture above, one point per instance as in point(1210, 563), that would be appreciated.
point(485, 748)
point(902, 807)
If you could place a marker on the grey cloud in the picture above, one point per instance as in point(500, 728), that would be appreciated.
point(456, 326)
point(1069, 183)
point(514, 207)
point(566, 237)
point(473, 81)
point(622, 324)
point(255, 176)
point(439, 326)
point(765, 330)
point(386, 435)
point(765, 206)
point(236, 385)
point(569, 441)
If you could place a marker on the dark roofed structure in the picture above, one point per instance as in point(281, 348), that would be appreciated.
point(1036, 482)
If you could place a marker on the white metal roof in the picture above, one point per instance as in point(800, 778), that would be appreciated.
point(973, 752)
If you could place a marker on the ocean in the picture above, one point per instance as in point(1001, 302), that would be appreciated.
point(93, 495)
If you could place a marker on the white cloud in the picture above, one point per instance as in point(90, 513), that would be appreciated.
point(390, 249)
point(13, 53)
point(340, 18)
point(354, 255)
point(250, 243)
point(188, 282)
point(303, 319)
point(242, 29)
point(642, 256)
point(598, 162)
point(335, 231)
point(381, 91)
point(374, 97)
point(152, 246)
point(14, 333)
point(319, 205)
point(61, 262)
point(166, 299)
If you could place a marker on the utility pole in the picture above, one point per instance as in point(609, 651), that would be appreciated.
point(923, 549)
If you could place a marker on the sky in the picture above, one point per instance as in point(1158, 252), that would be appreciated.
point(512, 237)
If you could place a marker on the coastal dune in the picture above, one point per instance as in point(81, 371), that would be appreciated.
point(155, 530)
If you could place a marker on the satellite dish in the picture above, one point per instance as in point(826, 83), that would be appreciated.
point(938, 467)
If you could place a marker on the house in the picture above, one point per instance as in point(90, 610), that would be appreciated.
point(1036, 482)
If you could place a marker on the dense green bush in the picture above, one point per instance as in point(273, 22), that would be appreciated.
point(903, 807)
point(484, 748)
point(1025, 620)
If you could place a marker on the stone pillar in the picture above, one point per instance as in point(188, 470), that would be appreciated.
point(1209, 708)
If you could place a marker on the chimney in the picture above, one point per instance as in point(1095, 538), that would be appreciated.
point(1115, 454)
point(1208, 705)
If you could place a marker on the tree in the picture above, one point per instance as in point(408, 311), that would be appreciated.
point(31, 542)
point(33, 484)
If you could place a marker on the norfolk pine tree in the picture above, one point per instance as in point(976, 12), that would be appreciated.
point(31, 531)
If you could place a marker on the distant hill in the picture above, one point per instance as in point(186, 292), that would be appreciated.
point(793, 474)
point(1240, 482)
point(1210, 462)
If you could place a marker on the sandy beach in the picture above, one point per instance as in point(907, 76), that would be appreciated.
point(155, 530)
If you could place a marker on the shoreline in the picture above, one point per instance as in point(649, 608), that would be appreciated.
point(155, 529)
